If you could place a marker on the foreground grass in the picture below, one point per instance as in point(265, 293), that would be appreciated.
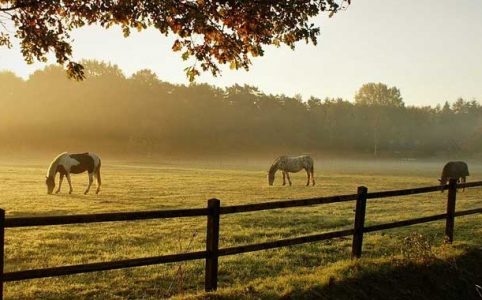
point(269, 273)
point(451, 273)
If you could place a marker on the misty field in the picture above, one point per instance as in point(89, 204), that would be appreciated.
point(130, 186)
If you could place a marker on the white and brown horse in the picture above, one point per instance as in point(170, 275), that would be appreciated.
point(292, 164)
point(67, 164)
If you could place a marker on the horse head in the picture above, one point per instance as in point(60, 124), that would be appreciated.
point(272, 170)
point(443, 182)
point(50, 182)
point(270, 178)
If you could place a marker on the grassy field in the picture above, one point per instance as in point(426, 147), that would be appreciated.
point(286, 272)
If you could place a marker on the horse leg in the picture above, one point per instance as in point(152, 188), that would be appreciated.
point(97, 175)
point(288, 176)
point(312, 171)
point(60, 183)
point(91, 179)
point(463, 181)
point(284, 177)
point(70, 182)
point(308, 177)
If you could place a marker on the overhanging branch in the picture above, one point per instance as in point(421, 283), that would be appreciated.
point(17, 6)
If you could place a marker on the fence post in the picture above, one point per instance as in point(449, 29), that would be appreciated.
point(451, 198)
point(361, 203)
point(2, 249)
point(212, 246)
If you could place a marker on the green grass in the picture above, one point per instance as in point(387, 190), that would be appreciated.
point(297, 271)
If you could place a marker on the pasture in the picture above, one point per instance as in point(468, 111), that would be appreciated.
point(133, 186)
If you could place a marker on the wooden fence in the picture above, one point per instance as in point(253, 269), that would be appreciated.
point(213, 212)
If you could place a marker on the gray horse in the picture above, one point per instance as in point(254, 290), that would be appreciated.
point(292, 164)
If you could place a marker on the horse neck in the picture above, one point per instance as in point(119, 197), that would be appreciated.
point(52, 169)
point(274, 167)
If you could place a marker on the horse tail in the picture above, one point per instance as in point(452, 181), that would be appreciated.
point(312, 171)
point(310, 163)
point(97, 173)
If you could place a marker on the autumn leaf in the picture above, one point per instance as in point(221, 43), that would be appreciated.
point(177, 46)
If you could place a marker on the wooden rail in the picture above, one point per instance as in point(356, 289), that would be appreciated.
point(108, 217)
point(213, 212)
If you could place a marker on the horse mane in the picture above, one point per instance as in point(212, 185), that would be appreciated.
point(274, 165)
point(54, 163)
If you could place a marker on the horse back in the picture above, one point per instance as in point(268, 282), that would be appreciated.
point(86, 163)
point(455, 169)
point(295, 163)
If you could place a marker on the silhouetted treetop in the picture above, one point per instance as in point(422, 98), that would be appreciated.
point(379, 94)
point(9, 81)
point(101, 69)
point(211, 32)
point(145, 77)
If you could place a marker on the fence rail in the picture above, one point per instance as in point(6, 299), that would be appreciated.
point(213, 212)
point(107, 217)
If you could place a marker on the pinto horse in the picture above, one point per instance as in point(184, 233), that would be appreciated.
point(292, 164)
point(66, 163)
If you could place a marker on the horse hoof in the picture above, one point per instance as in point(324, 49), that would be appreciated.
point(70, 192)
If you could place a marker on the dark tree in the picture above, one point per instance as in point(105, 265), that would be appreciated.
point(382, 100)
point(379, 94)
point(212, 31)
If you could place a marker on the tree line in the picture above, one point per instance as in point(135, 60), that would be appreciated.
point(140, 114)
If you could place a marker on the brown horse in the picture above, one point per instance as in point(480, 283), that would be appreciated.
point(454, 170)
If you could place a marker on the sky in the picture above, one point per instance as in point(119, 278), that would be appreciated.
point(430, 50)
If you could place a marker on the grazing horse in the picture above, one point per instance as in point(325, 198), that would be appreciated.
point(66, 163)
point(292, 164)
point(454, 170)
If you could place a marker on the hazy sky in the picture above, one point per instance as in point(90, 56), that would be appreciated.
point(430, 50)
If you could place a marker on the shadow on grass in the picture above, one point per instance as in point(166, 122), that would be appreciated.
point(397, 279)
point(436, 280)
